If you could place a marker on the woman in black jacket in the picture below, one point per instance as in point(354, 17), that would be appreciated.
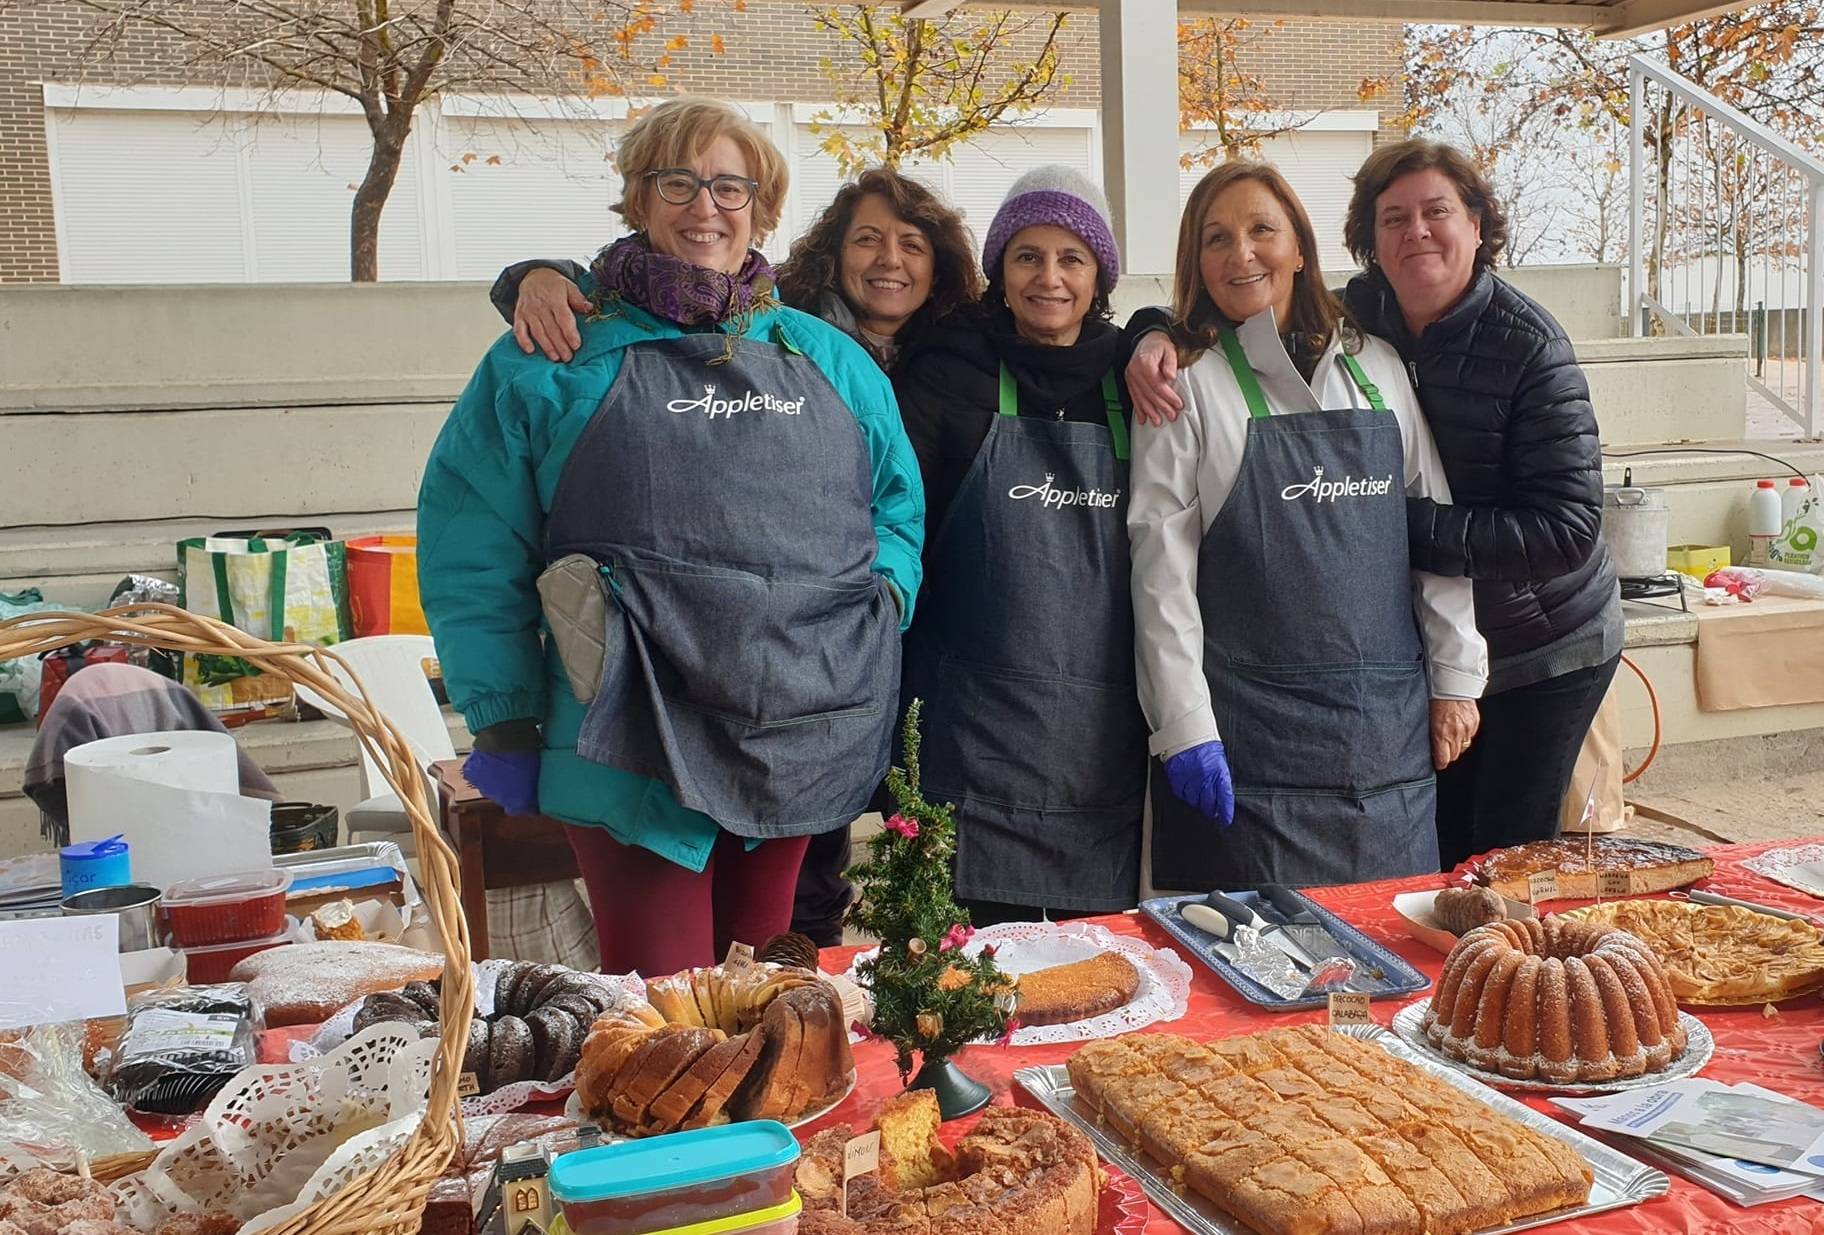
point(1510, 409)
point(1022, 646)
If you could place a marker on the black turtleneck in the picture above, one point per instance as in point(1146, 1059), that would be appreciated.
point(948, 383)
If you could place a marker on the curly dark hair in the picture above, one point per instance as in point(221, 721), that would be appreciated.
point(1389, 163)
point(814, 264)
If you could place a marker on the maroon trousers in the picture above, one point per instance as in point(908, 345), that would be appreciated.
point(657, 917)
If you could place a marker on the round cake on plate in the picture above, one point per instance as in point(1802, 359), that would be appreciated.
point(1549, 998)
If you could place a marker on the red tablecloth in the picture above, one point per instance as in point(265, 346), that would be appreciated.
point(1779, 1052)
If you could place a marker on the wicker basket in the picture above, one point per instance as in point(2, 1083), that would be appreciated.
point(389, 1199)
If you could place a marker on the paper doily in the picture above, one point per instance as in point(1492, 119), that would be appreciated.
point(336, 1030)
point(280, 1137)
point(1021, 947)
point(1801, 867)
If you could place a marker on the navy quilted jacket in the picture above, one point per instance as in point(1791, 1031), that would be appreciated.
point(1511, 413)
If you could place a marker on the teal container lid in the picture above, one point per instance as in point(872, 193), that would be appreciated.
point(671, 1162)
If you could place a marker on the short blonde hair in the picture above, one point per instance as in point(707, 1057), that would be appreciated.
point(674, 133)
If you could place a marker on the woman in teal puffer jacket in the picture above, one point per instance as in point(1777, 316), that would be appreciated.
point(729, 480)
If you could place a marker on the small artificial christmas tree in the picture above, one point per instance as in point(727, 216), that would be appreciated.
point(929, 996)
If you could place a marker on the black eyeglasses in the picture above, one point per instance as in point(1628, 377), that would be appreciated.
point(680, 186)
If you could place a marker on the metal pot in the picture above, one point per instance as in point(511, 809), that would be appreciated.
point(141, 926)
point(1634, 525)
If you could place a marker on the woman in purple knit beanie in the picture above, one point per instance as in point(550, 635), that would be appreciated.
point(1022, 644)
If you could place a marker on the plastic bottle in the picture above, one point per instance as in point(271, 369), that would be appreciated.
point(1764, 521)
point(1792, 497)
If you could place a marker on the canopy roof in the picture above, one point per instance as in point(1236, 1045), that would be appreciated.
point(1610, 18)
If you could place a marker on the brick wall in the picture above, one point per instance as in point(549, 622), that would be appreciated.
point(771, 52)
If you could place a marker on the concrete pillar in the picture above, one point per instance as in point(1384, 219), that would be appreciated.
point(1140, 130)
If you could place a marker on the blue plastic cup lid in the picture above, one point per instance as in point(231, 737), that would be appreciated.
point(95, 850)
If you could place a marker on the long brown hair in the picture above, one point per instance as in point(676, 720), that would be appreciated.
point(1316, 312)
point(814, 264)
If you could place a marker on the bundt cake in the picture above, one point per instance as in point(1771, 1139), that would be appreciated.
point(542, 1013)
point(1555, 999)
point(1017, 1172)
point(714, 1046)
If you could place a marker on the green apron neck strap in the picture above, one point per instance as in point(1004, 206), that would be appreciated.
point(1010, 394)
point(1111, 407)
point(1117, 419)
point(1244, 375)
point(1368, 388)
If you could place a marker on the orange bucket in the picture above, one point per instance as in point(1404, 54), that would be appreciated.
point(383, 586)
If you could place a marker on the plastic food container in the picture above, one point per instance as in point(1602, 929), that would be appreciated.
point(708, 1181)
point(210, 964)
point(226, 908)
point(777, 1220)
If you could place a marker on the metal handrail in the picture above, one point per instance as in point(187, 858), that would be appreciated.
point(1809, 173)
point(1746, 125)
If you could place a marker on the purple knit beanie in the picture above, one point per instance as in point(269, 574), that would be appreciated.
point(1064, 198)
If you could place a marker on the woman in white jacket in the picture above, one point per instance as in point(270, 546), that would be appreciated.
point(1301, 682)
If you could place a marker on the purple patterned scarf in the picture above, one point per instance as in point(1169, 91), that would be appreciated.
point(677, 290)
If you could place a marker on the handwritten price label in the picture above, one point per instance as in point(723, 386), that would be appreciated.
point(859, 1157)
point(1542, 887)
point(740, 956)
point(1615, 883)
point(468, 1085)
point(1349, 1008)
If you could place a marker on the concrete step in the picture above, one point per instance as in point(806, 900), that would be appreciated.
point(1653, 390)
point(231, 463)
point(239, 346)
point(1707, 483)
point(79, 565)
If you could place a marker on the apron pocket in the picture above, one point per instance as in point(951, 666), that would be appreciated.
point(1042, 743)
point(1344, 728)
point(761, 651)
point(575, 601)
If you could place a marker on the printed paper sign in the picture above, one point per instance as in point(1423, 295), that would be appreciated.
point(1542, 886)
point(60, 969)
point(1349, 1008)
point(859, 1157)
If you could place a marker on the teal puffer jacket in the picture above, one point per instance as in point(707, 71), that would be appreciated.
point(481, 513)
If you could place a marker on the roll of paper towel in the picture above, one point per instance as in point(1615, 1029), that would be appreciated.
point(176, 797)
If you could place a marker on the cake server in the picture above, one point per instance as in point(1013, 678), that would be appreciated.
point(1242, 941)
point(1713, 898)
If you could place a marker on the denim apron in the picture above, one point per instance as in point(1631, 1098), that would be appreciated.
point(1023, 653)
point(1312, 652)
point(753, 654)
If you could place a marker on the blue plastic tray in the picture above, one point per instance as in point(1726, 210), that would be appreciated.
point(1398, 977)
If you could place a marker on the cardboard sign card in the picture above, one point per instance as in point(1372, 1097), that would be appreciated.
point(860, 1156)
point(1615, 883)
point(60, 969)
point(1542, 886)
point(740, 956)
point(1349, 1008)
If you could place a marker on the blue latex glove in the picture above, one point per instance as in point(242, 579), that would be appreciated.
point(509, 778)
point(1200, 778)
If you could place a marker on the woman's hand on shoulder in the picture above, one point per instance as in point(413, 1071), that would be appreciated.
point(545, 315)
point(1150, 374)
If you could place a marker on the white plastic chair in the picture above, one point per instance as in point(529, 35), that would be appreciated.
point(392, 669)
